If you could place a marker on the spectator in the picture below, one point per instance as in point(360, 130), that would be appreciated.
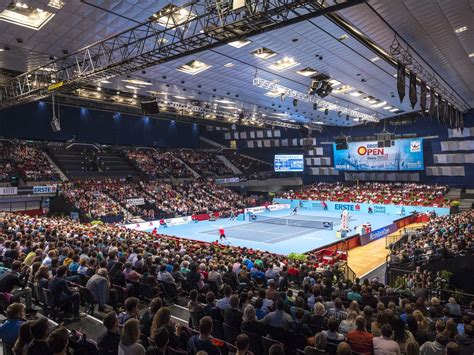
point(276, 349)
point(129, 344)
point(64, 295)
point(466, 340)
point(108, 342)
point(146, 320)
point(242, 344)
point(343, 349)
point(384, 345)
point(452, 349)
point(202, 342)
point(99, 285)
point(24, 338)
point(11, 279)
point(319, 342)
point(232, 315)
point(159, 343)
point(359, 339)
point(437, 347)
point(162, 319)
point(332, 332)
point(337, 312)
point(131, 311)
point(39, 333)
point(15, 318)
point(250, 323)
point(278, 318)
point(58, 341)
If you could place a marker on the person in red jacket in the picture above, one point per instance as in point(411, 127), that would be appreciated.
point(222, 234)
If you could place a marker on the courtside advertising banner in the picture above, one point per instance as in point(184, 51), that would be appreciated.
point(49, 189)
point(401, 155)
point(7, 190)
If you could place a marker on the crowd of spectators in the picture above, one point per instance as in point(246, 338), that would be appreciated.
point(440, 238)
point(412, 194)
point(89, 197)
point(158, 164)
point(206, 164)
point(26, 160)
point(7, 169)
point(160, 199)
point(239, 295)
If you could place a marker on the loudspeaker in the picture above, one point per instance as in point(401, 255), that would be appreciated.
point(341, 146)
point(388, 144)
point(150, 108)
point(380, 144)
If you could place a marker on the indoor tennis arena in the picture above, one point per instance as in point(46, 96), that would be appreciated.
point(248, 177)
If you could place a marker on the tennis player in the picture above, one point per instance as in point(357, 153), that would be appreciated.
point(295, 210)
point(222, 234)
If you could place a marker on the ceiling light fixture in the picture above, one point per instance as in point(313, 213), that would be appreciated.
point(172, 16)
point(387, 107)
point(193, 67)
point(264, 53)
point(307, 71)
point(460, 29)
point(356, 93)
point(229, 65)
point(136, 82)
point(471, 55)
point(284, 64)
point(239, 43)
point(374, 59)
point(343, 37)
point(132, 87)
point(394, 109)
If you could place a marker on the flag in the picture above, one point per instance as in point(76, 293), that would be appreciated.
point(446, 112)
point(401, 81)
point(412, 91)
point(440, 108)
point(423, 98)
point(458, 119)
point(432, 103)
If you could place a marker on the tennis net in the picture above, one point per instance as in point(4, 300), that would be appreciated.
point(305, 223)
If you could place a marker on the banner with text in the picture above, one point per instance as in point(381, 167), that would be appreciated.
point(399, 155)
point(8, 190)
point(136, 201)
point(393, 210)
point(49, 189)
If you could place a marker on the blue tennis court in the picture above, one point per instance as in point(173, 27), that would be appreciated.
point(276, 238)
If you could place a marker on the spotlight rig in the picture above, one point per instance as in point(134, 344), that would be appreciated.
point(320, 85)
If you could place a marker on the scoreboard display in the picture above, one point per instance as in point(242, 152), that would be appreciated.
point(289, 163)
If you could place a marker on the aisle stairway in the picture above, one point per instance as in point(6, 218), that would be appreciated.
point(70, 161)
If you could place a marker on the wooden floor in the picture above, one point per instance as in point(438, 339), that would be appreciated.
point(366, 258)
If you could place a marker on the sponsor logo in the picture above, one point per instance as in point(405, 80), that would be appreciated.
point(342, 207)
point(380, 209)
point(379, 233)
point(415, 146)
point(371, 149)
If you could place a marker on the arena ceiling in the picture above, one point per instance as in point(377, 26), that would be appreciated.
point(364, 76)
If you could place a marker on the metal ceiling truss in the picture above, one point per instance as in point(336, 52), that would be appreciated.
point(200, 27)
point(252, 119)
point(287, 92)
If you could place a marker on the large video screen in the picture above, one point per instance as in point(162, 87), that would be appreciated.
point(288, 163)
point(401, 155)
